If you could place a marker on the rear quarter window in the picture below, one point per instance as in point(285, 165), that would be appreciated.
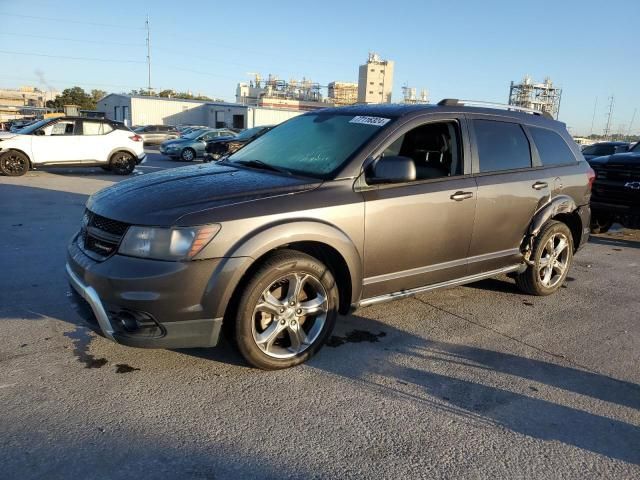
point(501, 146)
point(553, 150)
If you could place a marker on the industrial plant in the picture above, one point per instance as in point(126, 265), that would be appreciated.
point(544, 96)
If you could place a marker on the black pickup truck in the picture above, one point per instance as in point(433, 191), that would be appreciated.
point(616, 191)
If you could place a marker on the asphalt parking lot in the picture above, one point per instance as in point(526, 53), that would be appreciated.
point(478, 381)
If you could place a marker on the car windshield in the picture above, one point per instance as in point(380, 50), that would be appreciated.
point(314, 145)
point(247, 134)
point(34, 126)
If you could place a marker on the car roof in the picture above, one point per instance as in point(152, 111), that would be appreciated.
point(409, 110)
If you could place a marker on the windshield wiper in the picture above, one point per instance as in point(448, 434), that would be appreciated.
point(262, 165)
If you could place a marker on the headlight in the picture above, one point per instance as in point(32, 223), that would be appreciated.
point(167, 243)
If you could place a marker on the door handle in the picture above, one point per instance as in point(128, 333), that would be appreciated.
point(459, 196)
point(539, 185)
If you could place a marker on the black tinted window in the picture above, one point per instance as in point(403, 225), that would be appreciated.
point(599, 150)
point(552, 148)
point(501, 146)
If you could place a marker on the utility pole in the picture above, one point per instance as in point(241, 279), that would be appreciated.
point(607, 129)
point(146, 24)
point(593, 119)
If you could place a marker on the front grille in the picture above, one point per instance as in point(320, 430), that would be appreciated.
point(100, 236)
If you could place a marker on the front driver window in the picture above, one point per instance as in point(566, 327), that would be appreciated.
point(60, 128)
point(433, 147)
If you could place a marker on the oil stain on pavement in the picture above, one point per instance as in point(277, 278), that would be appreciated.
point(355, 336)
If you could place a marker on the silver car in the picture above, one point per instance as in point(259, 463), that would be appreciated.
point(188, 147)
point(157, 133)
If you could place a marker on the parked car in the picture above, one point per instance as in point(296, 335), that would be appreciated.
point(71, 141)
point(18, 125)
point(219, 147)
point(616, 190)
point(332, 210)
point(191, 146)
point(604, 148)
point(155, 134)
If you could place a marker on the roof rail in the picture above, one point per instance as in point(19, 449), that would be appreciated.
point(454, 102)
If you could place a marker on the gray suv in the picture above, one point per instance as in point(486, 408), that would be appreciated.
point(332, 210)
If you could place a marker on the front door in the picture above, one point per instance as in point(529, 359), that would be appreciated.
point(55, 143)
point(419, 233)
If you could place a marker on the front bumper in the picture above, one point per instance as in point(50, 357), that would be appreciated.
point(146, 303)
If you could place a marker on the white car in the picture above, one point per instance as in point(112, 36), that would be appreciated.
point(71, 141)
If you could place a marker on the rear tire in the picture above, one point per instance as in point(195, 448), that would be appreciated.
point(552, 255)
point(14, 163)
point(122, 163)
point(286, 312)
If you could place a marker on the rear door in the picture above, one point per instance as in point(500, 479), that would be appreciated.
point(94, 141)
point(558, 161)
point(511, 188)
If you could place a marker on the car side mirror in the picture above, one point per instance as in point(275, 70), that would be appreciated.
point(392, 169)
point(39, 132)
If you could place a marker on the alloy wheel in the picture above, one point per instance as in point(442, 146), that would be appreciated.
point(290, 315)
point(553, 262)
point(15, 164)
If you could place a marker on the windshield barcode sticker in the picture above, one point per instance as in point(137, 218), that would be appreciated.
point(375, 121)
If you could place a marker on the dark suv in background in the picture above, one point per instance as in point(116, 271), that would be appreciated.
point(332, 210)
point(616, 190)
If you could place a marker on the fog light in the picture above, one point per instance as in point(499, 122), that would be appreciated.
point(127, 321)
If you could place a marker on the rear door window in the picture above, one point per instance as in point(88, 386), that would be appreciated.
point(91, 128)
point(501, 146)
point(553, 150)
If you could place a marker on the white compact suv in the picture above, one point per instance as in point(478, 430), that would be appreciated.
point(71, 141)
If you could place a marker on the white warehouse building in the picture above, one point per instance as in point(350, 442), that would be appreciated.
point(142, 110)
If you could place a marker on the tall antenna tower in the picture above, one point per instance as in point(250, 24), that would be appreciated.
point(146, 25)
point(593, 119)
point(607, 129)
point(633, 117)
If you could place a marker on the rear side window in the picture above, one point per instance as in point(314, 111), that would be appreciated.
point(91, 128)
point(552, 148)
point(501, 146)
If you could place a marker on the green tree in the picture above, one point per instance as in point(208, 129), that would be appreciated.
point(73, 96)
point(97, 94)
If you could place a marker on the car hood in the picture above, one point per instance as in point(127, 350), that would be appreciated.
point(627, 159)
point(163, 198)
point(7, 135)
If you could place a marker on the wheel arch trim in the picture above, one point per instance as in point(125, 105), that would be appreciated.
point(255, 245)
point(560, 204)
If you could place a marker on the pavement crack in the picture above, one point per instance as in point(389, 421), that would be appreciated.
point(505, 335)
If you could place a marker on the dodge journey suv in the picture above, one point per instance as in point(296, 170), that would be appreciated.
point(332, 210)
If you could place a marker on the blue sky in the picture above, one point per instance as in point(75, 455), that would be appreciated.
point(459, 49)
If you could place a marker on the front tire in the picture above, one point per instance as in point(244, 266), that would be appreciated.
point(601, 224)
point(286, 312)
point(188, 155)
point(14, 163)
point(122, 163)
point(552, 256)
